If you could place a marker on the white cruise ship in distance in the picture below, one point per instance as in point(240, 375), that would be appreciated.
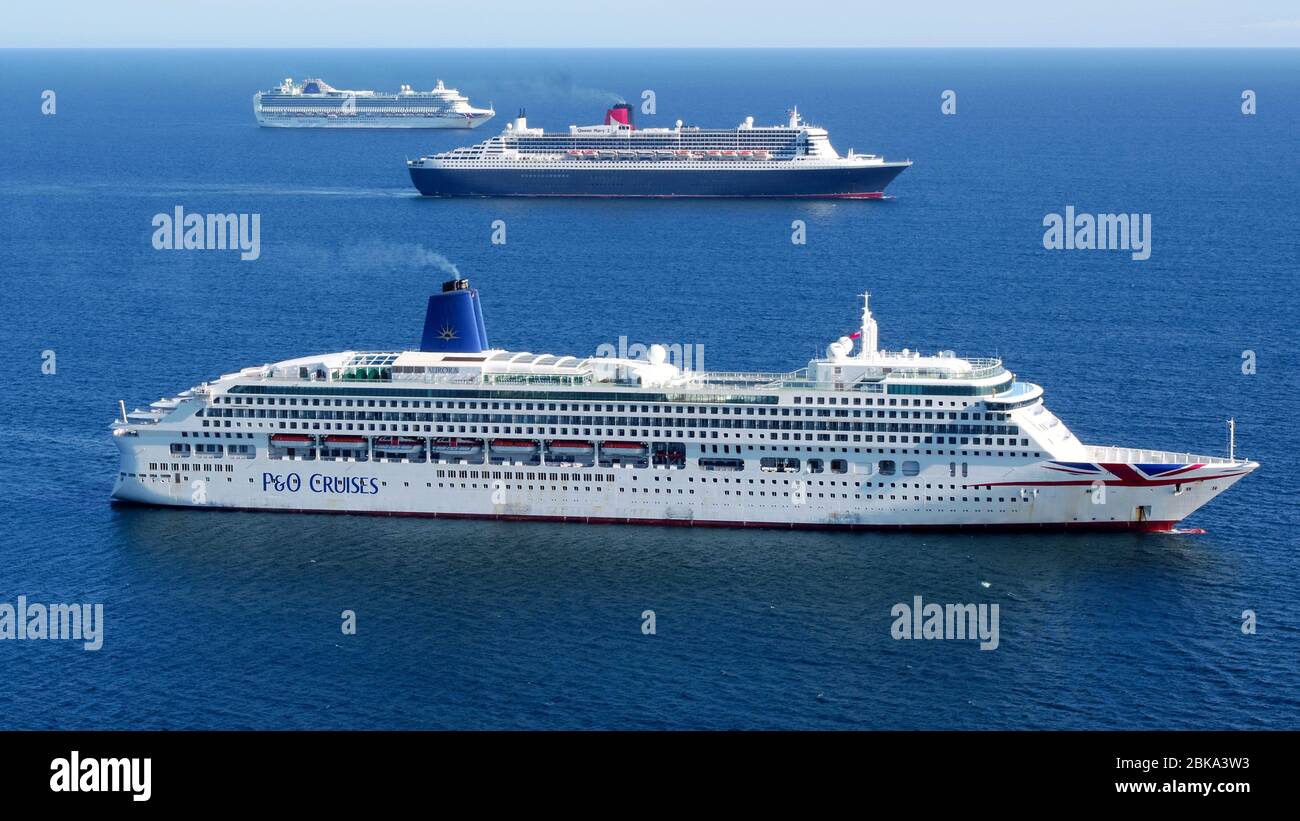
point(859, 438)
point(313, 103)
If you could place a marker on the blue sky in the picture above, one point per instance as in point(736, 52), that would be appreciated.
point(649, 23)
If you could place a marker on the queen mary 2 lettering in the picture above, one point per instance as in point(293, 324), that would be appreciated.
point(861, 437)
point(616, 159)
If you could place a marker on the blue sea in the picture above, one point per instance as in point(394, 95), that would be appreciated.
point(232, 620)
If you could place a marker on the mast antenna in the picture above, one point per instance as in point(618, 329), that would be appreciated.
point(869, 331)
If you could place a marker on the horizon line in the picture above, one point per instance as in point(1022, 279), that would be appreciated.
point(656, 48)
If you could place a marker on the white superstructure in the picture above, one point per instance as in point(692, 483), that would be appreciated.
point(861, 437)
point(313, 103)
point(618, 144)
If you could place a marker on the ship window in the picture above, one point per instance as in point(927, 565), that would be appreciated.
point(887, 467)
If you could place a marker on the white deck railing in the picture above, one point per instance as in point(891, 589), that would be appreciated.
point(1099, 453)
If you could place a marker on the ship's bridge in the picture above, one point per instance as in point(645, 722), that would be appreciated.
point(1018, 395)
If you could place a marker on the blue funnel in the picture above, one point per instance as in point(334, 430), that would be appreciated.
point(453, 322)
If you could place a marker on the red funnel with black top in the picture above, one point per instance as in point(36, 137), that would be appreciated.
point(620, 113)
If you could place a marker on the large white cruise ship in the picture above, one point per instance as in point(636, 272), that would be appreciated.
point(313, 103)
point(859, 438)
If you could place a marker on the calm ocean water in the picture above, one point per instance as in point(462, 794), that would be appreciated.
point(231, 620)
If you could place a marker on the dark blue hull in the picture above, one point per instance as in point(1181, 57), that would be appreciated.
point(867, 182)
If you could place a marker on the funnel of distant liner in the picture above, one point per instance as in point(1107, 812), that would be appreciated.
point(621, 113)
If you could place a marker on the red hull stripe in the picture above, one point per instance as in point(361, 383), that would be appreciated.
point(1009, 527)
point(872, 195)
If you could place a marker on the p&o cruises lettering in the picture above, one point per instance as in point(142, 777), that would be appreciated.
point(319, 483)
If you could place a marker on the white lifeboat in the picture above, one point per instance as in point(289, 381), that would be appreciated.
point(293, 440)
point(457, 446)
point(399, 444)
point(570, 447)
point(624, 449)
point(514, 447)
point(345, 442)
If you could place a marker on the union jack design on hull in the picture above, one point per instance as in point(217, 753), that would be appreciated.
point(1137, 475)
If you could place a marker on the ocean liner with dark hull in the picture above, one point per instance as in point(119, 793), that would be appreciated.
point(617, 159)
